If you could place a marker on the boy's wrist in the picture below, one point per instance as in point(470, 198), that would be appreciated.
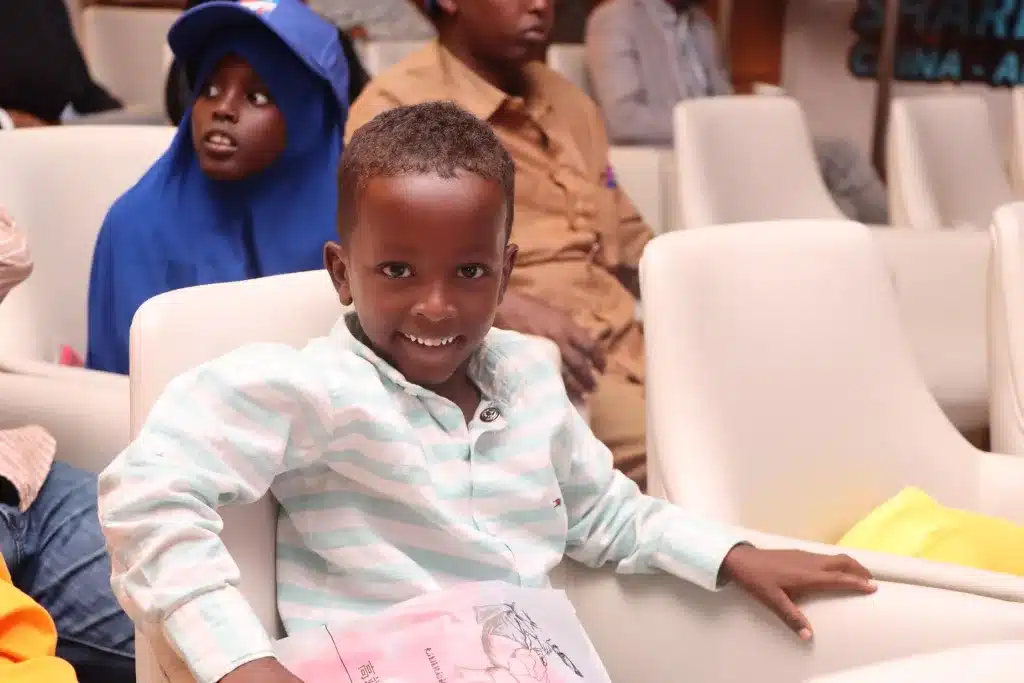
point(265, 670)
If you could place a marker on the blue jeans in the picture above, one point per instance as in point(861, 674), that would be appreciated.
point(56, 554)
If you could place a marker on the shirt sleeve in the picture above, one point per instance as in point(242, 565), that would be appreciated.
point(610, 520)
point(613, 65)
point(219, 435)
point(15, 259)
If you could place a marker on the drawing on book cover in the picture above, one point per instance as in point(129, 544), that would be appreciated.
point(516, 647)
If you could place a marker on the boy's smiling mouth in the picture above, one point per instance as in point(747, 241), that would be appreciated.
point(430, 341)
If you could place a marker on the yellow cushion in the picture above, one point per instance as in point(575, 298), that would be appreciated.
point(914, 525)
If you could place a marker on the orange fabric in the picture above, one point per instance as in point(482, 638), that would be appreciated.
point(28, 639)
point(573, 224)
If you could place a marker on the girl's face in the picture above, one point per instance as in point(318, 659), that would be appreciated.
point(237, 130)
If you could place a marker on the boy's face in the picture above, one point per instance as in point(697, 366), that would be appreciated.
point(426, 265)
point(237, 130)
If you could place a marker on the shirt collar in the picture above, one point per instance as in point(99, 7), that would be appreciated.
point(480, 98)
point(488, 367)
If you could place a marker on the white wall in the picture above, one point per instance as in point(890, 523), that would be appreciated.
point(814, 71)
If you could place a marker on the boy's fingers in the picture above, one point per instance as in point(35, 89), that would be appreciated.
point(780, 603)
point(847, 564)
point(833, 582)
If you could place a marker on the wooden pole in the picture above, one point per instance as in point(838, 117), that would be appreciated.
point(884, 77)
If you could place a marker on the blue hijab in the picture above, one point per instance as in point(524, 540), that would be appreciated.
point(177, 228)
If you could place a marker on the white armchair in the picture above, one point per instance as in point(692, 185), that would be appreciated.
point(787, 400)
point(986, 663)
point(944, 168)
point(58, 184)
point(941, 282)
point(675, 631)
point(647, 176)
point(378, 56)
point(1006, 330)
point(747, 158)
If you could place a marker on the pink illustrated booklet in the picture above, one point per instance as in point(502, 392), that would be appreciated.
point(489, 632)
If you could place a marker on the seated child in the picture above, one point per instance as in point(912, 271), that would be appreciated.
point(412, 448)
point(247, 187)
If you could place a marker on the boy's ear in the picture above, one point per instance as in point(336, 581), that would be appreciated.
point(509, 263)
point(334, 262)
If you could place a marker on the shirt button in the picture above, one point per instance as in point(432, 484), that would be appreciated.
point(489, 414)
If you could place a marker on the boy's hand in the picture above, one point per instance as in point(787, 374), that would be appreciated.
point(778, 577)
point(266, 670)
point(581, 356)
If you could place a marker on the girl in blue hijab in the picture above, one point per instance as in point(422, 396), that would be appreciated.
point(248, 186)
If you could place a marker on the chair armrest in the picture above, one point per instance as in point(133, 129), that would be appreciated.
point(38, 368)
point(985, 663)
point(908, 570)
point(1001, 484)
point(659, 628)
point(89, 422)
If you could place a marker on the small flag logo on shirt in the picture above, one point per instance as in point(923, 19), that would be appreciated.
point(259, 6)
point(558, 502)
point(608, 178)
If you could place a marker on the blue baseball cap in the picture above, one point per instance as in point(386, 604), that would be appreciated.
point(311, 38)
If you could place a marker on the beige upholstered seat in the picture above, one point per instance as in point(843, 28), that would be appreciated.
point(746, 158)
point(786, 398)
point(58, 184)
point(1006, 330)
point(637, 624)
point(380, 55)
point(941, 283)
point(986, 663)
point(571, 62)
point(944, 168)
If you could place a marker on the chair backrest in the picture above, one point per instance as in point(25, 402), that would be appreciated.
point(944, 167)
point(941, 281)
point(1017, 141)
point(647, 176)
point(786, 397)
point(747, 158)
point(58, 184)
point(123, 47)
point(379, 55)
point(1006, 330)
point(179, 330)
point(571, 62)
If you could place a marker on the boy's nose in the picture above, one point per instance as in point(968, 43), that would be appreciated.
point(435, 306)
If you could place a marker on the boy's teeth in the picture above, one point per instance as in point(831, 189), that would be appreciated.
point(440, 341)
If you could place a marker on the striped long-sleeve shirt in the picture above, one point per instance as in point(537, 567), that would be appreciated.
point(386, 492)
point(15, 260)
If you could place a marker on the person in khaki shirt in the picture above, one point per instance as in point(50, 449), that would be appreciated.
point(579, 236)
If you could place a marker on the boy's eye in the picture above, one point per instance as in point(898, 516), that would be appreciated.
point(210, 90)
point(472, 272)
point(396, 271)
point(259, 99)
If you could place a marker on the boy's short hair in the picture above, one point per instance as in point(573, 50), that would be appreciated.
point(433, 138)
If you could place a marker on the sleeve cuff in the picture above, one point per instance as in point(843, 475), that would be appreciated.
point(6, 122)
point(694, 549)
point(216, 633)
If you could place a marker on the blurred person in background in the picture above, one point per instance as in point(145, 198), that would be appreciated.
point(42, 70)
point(645, 56)
point(579, 235)
point(178, 95)
point(56, 603)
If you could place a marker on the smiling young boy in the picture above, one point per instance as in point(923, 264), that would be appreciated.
point(413, 448)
